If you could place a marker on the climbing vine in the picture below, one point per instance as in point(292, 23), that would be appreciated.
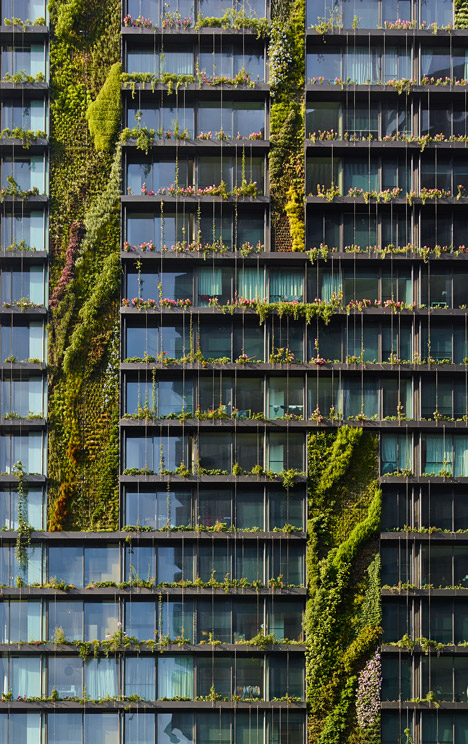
point(343, 612)
point(84, 271)
point(24, 529)
point(286, 58)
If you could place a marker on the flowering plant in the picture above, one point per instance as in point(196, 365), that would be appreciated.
point(139, 22)
point(368, 699)
point(175, 20)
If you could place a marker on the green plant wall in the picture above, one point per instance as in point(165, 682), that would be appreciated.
point(287, 110)
point(84, 265)
point(343, 612)
point(461, 13)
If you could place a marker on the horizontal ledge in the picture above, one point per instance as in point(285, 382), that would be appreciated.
point(281, 256)
point(143, 706)
point(134, 479)
point(386, 33)
point(405, 705)
point(189, 32)
point(173, 648)
point(24, 86)
point(22, 423)
point(397, 201)
point(383, 88)
point(418, 649)
point(196, 144)
point(416, 536)
point(447, 593)
point(16, 310)
point(22, 367)
point(124, 536)
point(301, 424)
point(28, 478)
point(421, 479)
point(290, 367)
point(18, 30)
point(376, 144)
point(22, 255)
point(157, 199)
point(25, 592)
point(240, 310)
point(195, 87)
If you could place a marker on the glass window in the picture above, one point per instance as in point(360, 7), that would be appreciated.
point(25, 727)
point(326, 64)
point(437, 11)
point(323, 117)
point(25, 676)
point(139, 728)
point(27, 58)
point(175, 677)
point(101, 678)
point(65, 676)
point(154, 453)
point(140, 563)
point(288, 562)
point(140, 620)
point(249, 509)
point(286, 506)
point(140, 677)
point(215, 617)
point(16, 228)
point(101, 564)
point(66, 617)
point(286, 397)
point(100, 620)
point(174, 727)
point(101, 727)
point(64, 728)
point(176, 620)
point(214, 507)
point(174, 564)
point(285, 620)
point(396, 453)
point(66, 564)
point(25, 621)
point(160, 509)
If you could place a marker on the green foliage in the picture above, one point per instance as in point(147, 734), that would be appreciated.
point(84, 188)
point(287, 61)
point(295, 212)
point(237, 19)
point(67, 17)
point(103, 114)
point(461, 13)
point(24, 530)
point(343, 612)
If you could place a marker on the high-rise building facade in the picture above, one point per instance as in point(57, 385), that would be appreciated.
point(234, 349)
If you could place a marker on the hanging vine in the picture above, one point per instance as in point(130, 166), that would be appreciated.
point(343, 613)
point(84, 270)
point(24, 529)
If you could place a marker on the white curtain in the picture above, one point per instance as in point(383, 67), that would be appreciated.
point(101, 678)
point(461, 455)
point(175, 677)
point(25, 677)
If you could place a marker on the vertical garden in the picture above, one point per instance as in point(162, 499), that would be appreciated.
point(84, 264)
